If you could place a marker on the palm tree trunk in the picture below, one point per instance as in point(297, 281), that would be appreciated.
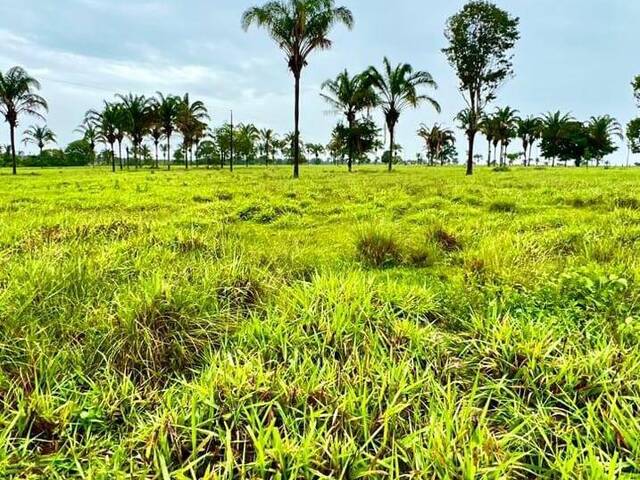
point(120, 153)
point(113, 159)
point(168, 152)
point(489, 153)
point(157, 159)
point(350, 145)
point(470, 137)
point(13, 149)
point(186, 158)
point(391, 137)
point(296, 131)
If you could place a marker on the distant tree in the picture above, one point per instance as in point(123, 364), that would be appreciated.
point(488, 127)
point(529, 131)
point(138, 114)
point(398, 89)
point(299, 27)
point(316, 150)
point(79, 153)
point(208, 150)
point(107, 121)
point(190, 123)
point(167, 109)
point(269, 141)
point(633, 135)
point(601, 132)
point(248, 137)
point(349, 96)
point(17, 98)
point(39, 136)
point(506, 128)
point(436, 140)
point(91, 134)
point(481, 37)
point(552, 130)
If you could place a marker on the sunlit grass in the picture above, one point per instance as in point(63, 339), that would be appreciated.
point(418, 324)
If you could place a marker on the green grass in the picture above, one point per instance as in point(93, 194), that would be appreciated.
point(418, 324)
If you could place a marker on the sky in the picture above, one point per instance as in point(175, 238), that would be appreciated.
point(576, 56)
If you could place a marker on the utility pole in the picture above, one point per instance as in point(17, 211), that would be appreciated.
point(231, 142)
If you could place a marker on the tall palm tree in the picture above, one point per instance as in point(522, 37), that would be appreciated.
point(299, 27)
point(349, 96)
point(268, 139)
point(167, 109)
point(247, 138)
point(529, 133)
point(488, 127)
point(601, 131)
point(39, 136)
point(190, 121)
point(17, 98)
point(155, 130)
point(138, 116)
point(398, 89)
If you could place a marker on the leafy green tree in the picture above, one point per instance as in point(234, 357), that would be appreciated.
point(90, 132)
point(39, 136)
point(398, 89)
point(481, 37)
point(349, 96)
point(208, 149)
point(299, 27)
point(17, 98)
point(601, 132)
point(361, 138)
point(79, 153)
point(633, 135)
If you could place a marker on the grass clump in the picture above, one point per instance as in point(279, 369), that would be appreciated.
point(503, 206)
point(378, 248)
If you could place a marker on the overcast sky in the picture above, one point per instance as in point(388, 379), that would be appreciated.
point(574, 55)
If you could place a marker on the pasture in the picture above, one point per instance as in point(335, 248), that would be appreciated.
point(413, 324)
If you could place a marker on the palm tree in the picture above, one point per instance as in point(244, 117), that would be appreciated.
point(299, 27)
point(107, 121)
point(39, 136)
point(190, 123)
point(167, 109)
point(397, 89)
point(316, 150)
point(601, 130)
point(248, 137)
point(91, 134)
point(138, 114)
point(528, 132)
point(268, 138)
point(552, 127)
point(506, 123)
point(488, 127)
point(349, 96)
point(155, 131)
point(17, 98)
point(436, 139)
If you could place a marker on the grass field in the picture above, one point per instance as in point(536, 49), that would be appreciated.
point(418, 324)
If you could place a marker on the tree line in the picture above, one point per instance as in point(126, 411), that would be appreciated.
point(481, 38)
